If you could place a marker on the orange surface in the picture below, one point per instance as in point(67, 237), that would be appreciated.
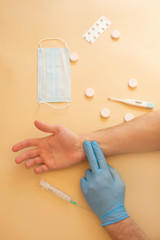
point(26, 212)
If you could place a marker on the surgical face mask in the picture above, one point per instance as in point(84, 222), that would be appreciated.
point(54, 84)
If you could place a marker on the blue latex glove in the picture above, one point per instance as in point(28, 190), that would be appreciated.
point(103, 187)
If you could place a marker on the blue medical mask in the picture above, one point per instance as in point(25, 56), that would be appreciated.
point(54, 84)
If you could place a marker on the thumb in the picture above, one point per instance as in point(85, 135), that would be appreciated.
point(83, 183)
point(48, 128)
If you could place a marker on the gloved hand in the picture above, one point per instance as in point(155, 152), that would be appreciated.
point(103, 187)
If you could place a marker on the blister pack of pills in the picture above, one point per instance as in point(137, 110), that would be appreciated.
point(97, 29)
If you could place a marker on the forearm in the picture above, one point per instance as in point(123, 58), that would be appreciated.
point(140, 134)
point(124, 230)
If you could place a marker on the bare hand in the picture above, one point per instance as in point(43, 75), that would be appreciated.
point(60, 150)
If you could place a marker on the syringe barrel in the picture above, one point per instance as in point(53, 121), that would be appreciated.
point(56, 191)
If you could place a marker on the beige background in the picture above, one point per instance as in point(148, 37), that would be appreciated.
point(26, 212)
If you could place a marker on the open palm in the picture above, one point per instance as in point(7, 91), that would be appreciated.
point(61, 149)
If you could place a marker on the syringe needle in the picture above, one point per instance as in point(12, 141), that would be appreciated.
point(84, 208)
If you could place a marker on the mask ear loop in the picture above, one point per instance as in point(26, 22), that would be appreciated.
point(46, 39)
point(67, 105)
point(40, 42)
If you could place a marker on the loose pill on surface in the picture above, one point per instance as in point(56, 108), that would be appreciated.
point(132, 83)
point(115, 34)
point(128, 117)
point(105, 113)
point(74, 57)
point(89, 92)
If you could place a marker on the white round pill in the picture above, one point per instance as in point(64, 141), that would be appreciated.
point(115, 34)
point(105, 112)
point(128, 117)
point(132, 83)
point(74, 57)
point(89, 92)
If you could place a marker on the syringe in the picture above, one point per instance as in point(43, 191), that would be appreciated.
point(59, 193)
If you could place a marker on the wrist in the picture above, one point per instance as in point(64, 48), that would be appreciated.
point(80, 147)
point(101, 137)
point(114, 216)
point(82, 139)
point(118, 225)
point(125, 229)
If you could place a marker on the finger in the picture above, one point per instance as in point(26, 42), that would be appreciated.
point(99, 155)
point(26, 143)
point(88, 174)
point(33, 161)
point(83, 183)
point(91, 156)
point(46, 127)
point(27, 155)
point(41, 169)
